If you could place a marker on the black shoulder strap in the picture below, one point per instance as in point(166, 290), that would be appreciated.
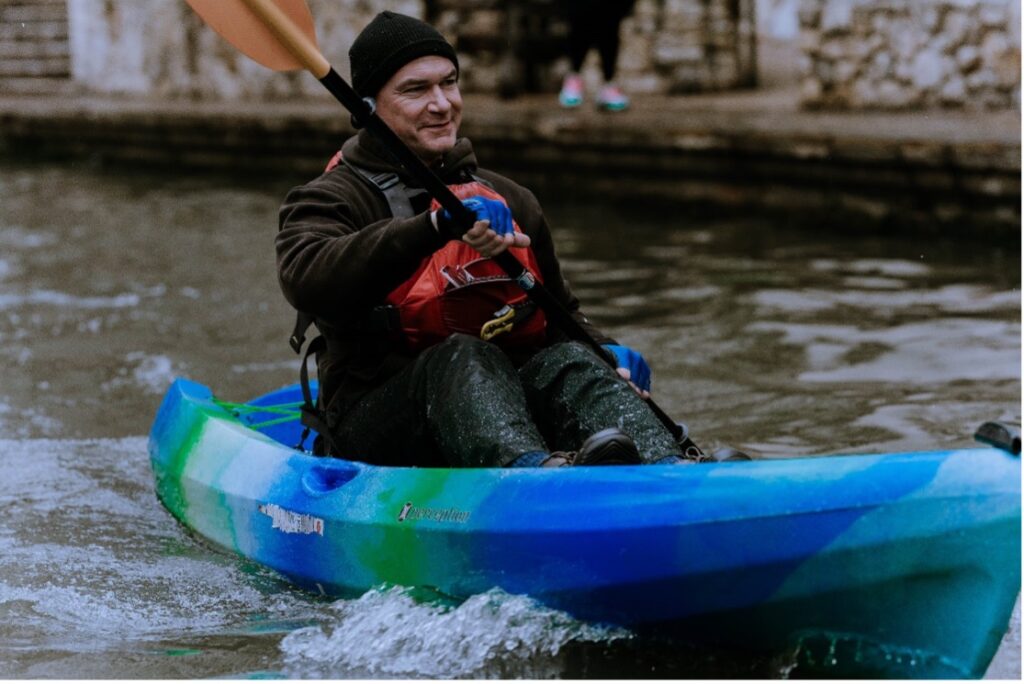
point(482, 181)
point(312, 418)
point(391, 186)
point(302, 323)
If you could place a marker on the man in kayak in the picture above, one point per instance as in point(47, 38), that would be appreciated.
point(432, 356)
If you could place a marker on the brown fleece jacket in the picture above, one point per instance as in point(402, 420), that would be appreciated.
point(340, 253)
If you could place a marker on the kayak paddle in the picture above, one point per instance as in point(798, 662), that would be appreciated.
point(280, 35)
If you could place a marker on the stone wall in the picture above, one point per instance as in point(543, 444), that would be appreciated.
point(158, 47)
point(668, 46)
point(910, 53)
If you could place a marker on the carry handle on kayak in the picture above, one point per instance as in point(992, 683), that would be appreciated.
point(279, 34)
point(999, 435)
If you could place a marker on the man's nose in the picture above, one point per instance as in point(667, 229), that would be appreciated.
point(439, 101)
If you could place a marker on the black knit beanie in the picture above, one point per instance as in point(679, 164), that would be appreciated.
point(387, 44)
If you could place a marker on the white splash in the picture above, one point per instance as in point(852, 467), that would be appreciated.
point(153, 373)
point(386, 633)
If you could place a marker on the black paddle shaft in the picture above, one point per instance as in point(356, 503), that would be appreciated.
point(363, 114)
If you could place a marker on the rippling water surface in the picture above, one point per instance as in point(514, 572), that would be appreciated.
point(784, 342)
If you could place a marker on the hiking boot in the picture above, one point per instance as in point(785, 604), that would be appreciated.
point(612, 99)
point(572, 91)
point(607, 447)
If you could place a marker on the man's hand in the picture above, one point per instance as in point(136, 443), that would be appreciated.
point(632, 367)
point(493, 231)
point(484, 239)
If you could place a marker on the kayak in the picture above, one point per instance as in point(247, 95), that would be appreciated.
point(892, 565)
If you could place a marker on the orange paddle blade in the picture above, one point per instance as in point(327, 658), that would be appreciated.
point(279, 34)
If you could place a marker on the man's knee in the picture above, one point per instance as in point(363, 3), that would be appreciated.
point(567, 362)
point(574, 354)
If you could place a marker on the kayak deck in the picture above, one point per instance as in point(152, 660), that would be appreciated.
point(907, 563)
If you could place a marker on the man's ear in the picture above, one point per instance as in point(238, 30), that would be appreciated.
point(372, 104)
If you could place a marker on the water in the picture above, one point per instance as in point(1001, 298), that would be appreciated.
point(780, 341)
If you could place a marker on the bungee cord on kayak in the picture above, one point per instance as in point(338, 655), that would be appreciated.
point(287, 413)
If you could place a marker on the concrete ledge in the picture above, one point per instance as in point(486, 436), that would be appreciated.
point(926, 172)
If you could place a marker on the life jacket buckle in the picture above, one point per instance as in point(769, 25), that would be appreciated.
point(503, 321)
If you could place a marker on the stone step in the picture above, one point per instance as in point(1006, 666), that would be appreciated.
point(46, 66)
point(37, 86)
point(33, 11)
point(34, 30)
point(37, 49)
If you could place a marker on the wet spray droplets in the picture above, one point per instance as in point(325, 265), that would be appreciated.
point(387, 633)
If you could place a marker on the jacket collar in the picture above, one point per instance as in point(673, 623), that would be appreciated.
point(365, 151)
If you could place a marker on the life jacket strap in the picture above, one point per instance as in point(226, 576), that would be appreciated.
point(397, 193)
point(381, 319)
point(311, 415)
point(298, 338)
point(391, 186)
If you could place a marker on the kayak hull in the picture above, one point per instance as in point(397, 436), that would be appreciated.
point(908, 563)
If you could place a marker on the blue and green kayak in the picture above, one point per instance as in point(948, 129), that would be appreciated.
point(892, 565)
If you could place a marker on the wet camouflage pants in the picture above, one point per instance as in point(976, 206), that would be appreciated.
point(462, 403)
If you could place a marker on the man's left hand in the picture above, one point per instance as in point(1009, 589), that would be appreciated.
point(632, 367)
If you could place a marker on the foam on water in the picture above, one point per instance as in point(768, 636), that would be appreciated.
point(91, 557)
point(69, 301)
point(25, 421)
point(387, 633)
point(152, 373)
point(18, 237)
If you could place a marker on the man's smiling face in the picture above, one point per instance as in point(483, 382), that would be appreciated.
point(422, 104)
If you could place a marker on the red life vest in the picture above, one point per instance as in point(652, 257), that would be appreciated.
point(455, 290)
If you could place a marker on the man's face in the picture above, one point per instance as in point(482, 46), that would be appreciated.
point(422, 104)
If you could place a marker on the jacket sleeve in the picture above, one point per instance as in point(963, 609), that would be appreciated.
point(336, 256)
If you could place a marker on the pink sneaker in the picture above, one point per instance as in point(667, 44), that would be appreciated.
point(612, 99)
point(572, 91)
